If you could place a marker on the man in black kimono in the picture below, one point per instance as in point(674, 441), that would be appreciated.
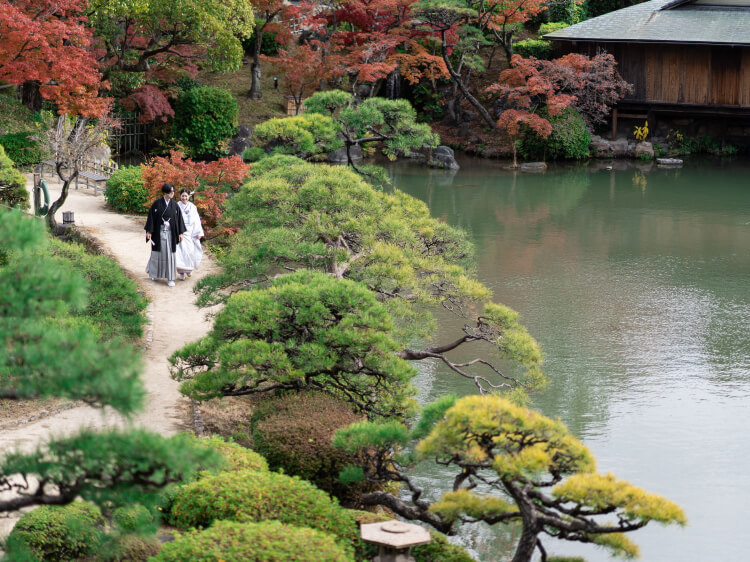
point(164, 228)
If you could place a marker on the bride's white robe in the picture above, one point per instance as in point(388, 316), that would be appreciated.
point(189, 251)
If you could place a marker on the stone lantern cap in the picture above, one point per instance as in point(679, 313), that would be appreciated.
point(395, 534)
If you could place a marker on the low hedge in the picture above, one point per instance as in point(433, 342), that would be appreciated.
point(23, 148)
point(53, 533)
point(252, 496)
point(115, 306)
point(294, 432)
point(236, 456)
point(228, 541)
point(126, 192)
point(537, 48)
point(13, 191)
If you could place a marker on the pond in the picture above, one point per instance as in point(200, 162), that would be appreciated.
point(636, 282)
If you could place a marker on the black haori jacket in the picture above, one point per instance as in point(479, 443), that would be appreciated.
point(160, 212)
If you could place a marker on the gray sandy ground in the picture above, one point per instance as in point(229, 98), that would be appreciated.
point(175, 321)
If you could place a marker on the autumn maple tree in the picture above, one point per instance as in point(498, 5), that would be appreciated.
point(44, 47)
point(211, 181)
point(302, 69)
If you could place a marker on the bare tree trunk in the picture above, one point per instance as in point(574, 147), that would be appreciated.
point(53, 208)
point(255, 71)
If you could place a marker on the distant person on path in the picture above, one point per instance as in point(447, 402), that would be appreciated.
point(164, 229)
point(189, 251)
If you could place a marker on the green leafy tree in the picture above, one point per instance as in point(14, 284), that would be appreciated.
point(292, 215)
point(147, 44)
point(390, 124)
point(205, 119)
point(46, 352)
point(512, 465)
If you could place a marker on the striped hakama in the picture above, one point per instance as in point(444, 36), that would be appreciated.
point(162, 265)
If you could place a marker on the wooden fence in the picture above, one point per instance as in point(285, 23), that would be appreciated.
point(132, 136)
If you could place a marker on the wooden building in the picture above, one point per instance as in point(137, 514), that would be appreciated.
point(683, 58)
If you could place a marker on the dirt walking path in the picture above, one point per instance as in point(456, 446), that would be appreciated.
point(175, 320)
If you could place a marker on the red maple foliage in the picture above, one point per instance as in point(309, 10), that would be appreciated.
point(372, 38)
point(302, 69)
point(47, 41)
point(151, 103)
point(526, 88)
point(211, 182)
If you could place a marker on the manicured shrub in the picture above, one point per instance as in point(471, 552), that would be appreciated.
point(115, 305)
point(240, 542)
point(236, 456)
point(13, 191)
point(128, 548)
point(253, 154)
point(249, 495)
point(205, 118)
point(131, 518)
point(52, 533)
point(294, 432)
point(23, 148)
point(537, 48)
point(305, 135)
point(126, 191)
point(570, 139)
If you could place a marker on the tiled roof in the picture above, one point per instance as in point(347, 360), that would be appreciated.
point(664, 21)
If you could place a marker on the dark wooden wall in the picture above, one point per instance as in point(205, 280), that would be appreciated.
point(706, 75)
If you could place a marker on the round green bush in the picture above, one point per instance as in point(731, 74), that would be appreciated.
point(305, 135)
point(23, 148)
point(537, 48)
point(125, 548)
point(294, 432)
point(570, 139)
point(56, 532)
point(236, 456)
point(205, 117)
point(240, 542)
point(131, 518)
point(249, 495)
point(125, 191)
point(13, 191)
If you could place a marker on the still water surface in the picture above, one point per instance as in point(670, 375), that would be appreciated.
point(637, 286)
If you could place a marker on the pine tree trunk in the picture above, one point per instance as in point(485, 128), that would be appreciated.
point(526, 546)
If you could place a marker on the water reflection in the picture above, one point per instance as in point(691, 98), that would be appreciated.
point(637, 284)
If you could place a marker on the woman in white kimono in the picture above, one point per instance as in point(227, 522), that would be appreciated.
point(189, 251)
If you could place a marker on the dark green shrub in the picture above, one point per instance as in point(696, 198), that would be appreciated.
point(249, 495)
point(253, 154)
point(132, 518)
point(240, 542)
point(23, 149)
point(294, 433)
point(115, 306)
point(268, 44)
point(205, 118)
point(305, 135)
point(13, 191)
point(570, 139)
point(125, 191)
point(568, 11)
point(537, 48)
point(53, 533)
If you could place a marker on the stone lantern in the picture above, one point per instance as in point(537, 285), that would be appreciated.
point(394, 538)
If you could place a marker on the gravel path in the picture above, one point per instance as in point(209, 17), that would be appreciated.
point(174, 321)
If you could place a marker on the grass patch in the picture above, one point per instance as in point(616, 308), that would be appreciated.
point(251, 112)
point(14, 116)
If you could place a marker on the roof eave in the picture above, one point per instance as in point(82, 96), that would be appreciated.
point(651, 41)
